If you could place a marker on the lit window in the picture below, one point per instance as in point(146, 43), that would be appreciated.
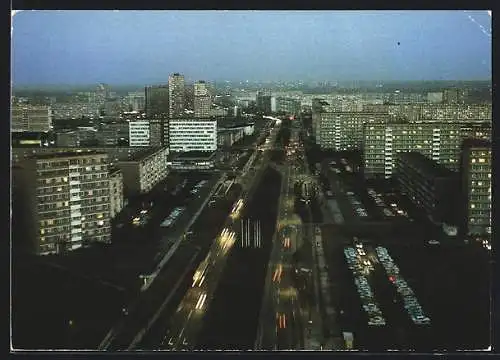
point(480, 183)
point(472, 206)
point(473, 161)
point(42, 231)
point(482, 160)
point(100, 223)
point(65, 179)
point(489, 175)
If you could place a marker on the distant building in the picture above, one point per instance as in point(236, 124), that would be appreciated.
point(139, 133)
point(227, 137)
point(63, 200)
point(202, 100)
point(116, 200)
point(68, 138)
point(176, 95)
point(435, 97)
point(476, 183)
point(476, 130)
point(343, 130)
point(263, 101)
point(192, 161)
point(156, 101)
point(189, 134)
point(112, 134)
point(113, 107)
point(454, 96)
point(157, 113)
point(439, 141)
point(136, 100)
point(287, 105)
point(429, 186)
point(143, 170)
point(31, 118)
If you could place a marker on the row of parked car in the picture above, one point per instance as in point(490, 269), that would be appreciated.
point(380, 203)
point(410, 301)
point(174, 215)
point(356, 204)
point(365, 292)
point(198, 186)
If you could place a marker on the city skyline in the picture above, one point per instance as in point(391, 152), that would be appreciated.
point(106, 46)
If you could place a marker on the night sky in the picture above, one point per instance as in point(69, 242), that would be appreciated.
point(139, 47)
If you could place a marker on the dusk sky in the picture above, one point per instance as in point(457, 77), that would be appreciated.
point(144, 47)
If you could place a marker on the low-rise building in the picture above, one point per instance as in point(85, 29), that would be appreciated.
point(192, 161)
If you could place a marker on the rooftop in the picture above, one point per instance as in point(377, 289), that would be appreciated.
point(143, 154)
point(425, 165)
point(194, 155)
point(67, 154)
point(472, 142)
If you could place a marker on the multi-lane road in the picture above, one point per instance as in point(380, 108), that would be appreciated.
point(282, 320)
point(185, 324)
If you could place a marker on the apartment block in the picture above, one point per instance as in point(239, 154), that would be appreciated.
point(63, 200)
point(429, 186)
point(439, 141)
point(189, 134)
point(143, 170)
point(31, 118)
point(476, 185)
point(202, 102)
point(176, 95)
point(116, 200)
point(343, 130)
point(139, 133)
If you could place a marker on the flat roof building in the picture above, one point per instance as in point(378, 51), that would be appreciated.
point(139, 133)
point(429, 186)
point(144, 170)
point(439, 141)
point(31, 118)
point(176, 95)
point(116, 199)
point(476, 185)
point(63, 200)
point(190, 134)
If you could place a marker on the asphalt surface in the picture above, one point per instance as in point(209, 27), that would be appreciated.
point(183, 327)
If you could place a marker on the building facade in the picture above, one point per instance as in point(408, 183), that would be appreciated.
point(143, 170)
point(193, 135)
point(176, 95)
point(31, 118)
point(263, 101)
point(139, 133)
point(429, 186)
point(202, 100)
point(343, 130)
point(476, 185)
point(439, 141)
point(288, 106)
point(116, 200)
point(64, 200)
